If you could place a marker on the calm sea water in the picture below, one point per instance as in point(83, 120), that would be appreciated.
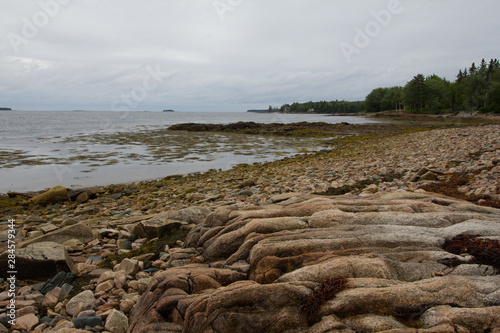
point(41, 149)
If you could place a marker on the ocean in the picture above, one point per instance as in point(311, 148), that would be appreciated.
point(42, 149)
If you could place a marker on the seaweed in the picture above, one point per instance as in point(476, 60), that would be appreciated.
point(450, 189)
point(484, 251)
point(326, 291)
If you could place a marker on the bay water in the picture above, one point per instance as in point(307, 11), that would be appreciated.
point(42, 149)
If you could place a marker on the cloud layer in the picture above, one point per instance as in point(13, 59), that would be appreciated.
point(230, 55)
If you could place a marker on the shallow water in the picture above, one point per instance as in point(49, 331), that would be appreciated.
point(41, 149)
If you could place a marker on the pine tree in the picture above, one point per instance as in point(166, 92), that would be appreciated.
point(473, 69)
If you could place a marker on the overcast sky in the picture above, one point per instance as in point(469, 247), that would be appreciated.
point(230, 55)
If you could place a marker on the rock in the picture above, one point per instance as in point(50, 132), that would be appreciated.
point(26, 322)
point(373, 323)
point(59, 280)
point(65, 291)
point(83, 322)
point(73, 245)
point(48, 228)
point(64, 325)
point(52, 196)
point(278, 309)
point(189, 215)
point(129, 266)
point(120, 279)
point(51, 298)
point(117, 322)
point(81, 302)
point(163, 223)
point(4, 295)
point(126, 305)
point(78, 231)
point(82, 197)
point(82, 269)
point(388, 246)
point(247, 183)
point(39, 260)
point(190, 190)
point(372, 188)
point(105, 286)
point(467, 319)
point(429, 175)
point(108, 275)
point(156, 227)
point(168, 289)
point(26, 310)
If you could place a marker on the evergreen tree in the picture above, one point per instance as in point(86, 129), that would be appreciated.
point(415, 93)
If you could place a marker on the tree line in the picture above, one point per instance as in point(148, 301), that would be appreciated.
point(476, 88)
point(324, 107)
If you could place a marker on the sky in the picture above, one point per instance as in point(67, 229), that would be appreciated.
point(230, 55)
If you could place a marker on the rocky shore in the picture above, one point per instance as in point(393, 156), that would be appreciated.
point(383, 233)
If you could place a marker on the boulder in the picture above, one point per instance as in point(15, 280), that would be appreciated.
point(81, 302)
point(172, 291)
point(83, 322)
point(39, 260)
point(248, 306)
point(129, 266)
point(26, 322)
point(270, 268)
point(156, 227)
point(52, 196)
point(467, 319)
point(79, 231)
point(117, 322)
point(189, 215)
point(161, 224)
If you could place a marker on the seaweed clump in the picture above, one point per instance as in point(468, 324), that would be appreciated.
point(450, 188)
point(484, 251)
point(326, 291)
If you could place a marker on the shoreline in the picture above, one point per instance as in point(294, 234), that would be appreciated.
point(360, 144)
point(108, 227)
point(393, 123)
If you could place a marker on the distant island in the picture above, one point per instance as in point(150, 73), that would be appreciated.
point(259, 111)
point(168, 111)
point(5, 109)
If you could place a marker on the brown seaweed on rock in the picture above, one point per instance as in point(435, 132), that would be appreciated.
point(326, 291)
point(484, 251)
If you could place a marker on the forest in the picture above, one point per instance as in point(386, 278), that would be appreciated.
point(476, 88)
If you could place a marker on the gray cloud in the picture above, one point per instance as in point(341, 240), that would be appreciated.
point(229, 55)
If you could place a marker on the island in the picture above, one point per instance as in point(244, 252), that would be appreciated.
point(259, 111)
point(5, 109)
point(168, 111)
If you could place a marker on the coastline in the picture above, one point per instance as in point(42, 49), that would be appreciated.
point(374, 166)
